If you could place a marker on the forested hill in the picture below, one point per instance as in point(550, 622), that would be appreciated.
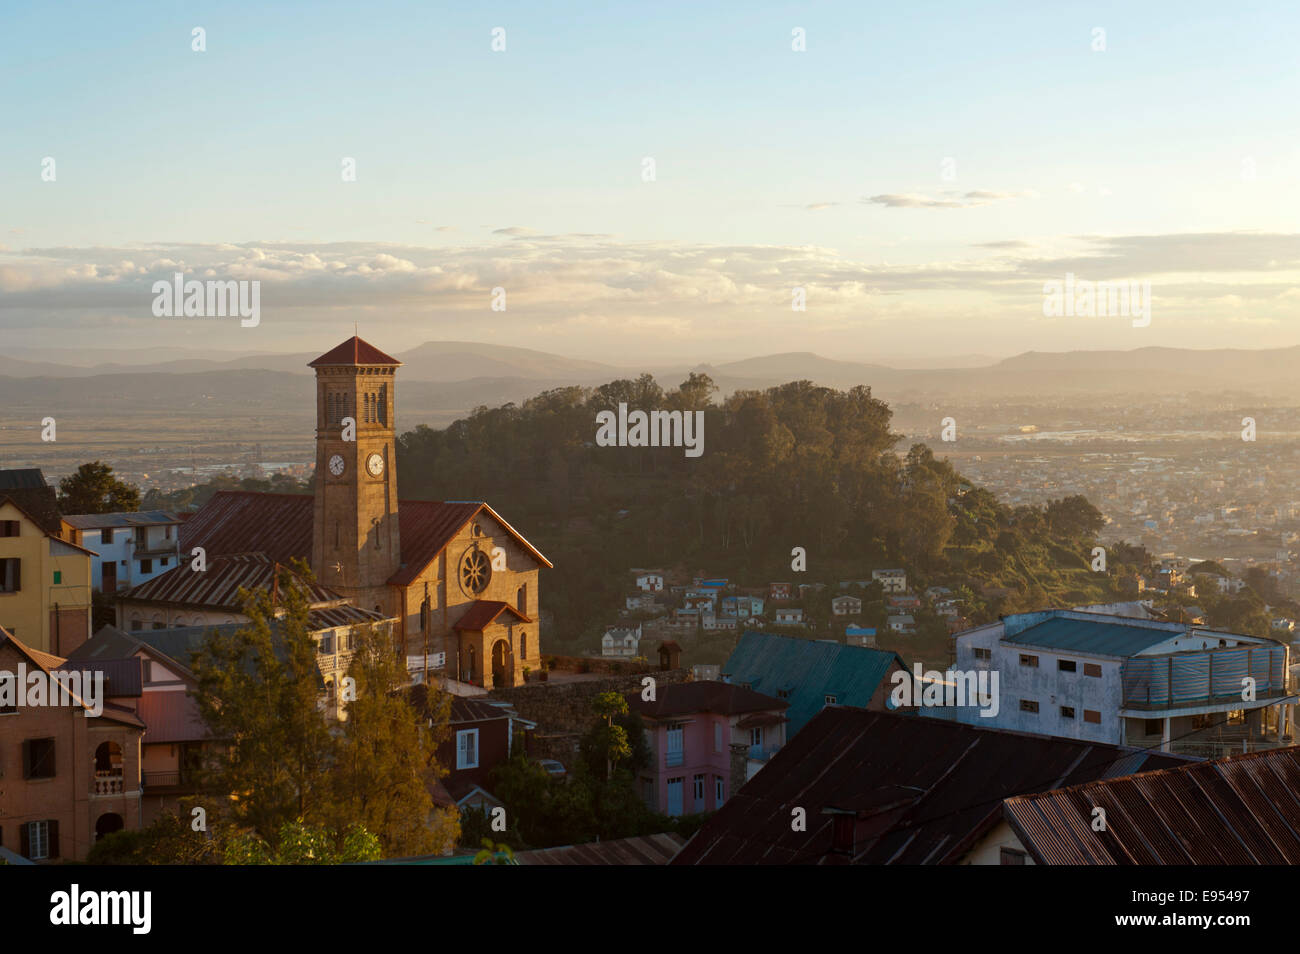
point(793, 465)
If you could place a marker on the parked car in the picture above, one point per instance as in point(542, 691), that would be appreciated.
point(553, 767)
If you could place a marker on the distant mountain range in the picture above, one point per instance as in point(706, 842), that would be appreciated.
point(452, 376)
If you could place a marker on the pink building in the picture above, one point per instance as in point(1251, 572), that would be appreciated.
point(705, 739)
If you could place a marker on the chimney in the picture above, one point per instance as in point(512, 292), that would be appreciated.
point(739, 766)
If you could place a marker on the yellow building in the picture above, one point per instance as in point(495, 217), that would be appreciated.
point(44, 583)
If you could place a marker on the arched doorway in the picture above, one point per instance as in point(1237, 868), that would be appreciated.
point(502, 664)
point(107, 824)
point(108, 769)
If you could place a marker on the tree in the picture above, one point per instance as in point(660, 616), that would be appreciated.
point(297, 843)
point(609, 739)
point(259, 693)
point(387, 755)
point(94, 489)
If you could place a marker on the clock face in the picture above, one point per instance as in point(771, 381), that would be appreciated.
point(375, 465)
point(336, 465)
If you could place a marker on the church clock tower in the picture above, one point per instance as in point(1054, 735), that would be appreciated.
point(355, 543)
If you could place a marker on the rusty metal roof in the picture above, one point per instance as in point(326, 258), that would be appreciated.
point(171, 716)
point(483, 613)
point(645, 850)
point(218, 586)
point(354, 351)
point(280, 525)
point(922, 790)
point(1240, 810)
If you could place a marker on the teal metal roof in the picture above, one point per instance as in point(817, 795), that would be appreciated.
point(810, 670)
point(1099, 637)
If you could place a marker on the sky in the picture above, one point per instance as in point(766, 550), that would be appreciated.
point(920, 171)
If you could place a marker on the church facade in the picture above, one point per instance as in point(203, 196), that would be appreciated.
point(461, 584)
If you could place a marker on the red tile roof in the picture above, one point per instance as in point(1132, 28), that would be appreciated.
point(354, 351)
point(280, 525)
point(483, 613)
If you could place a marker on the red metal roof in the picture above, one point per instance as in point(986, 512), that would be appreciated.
point(280, 525)
point(685, 698)
point(922, 790)
point(219, 585)
point(1241, 810)
point(483, 613)
point(170, 716)
point(354, 351)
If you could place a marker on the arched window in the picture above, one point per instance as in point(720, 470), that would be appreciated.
point(521, 599)
point(523, 645)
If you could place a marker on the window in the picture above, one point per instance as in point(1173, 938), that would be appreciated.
point(146, 670)
point(167, 532)
point(830, 700)
point(676, 752)
point(1090, 715)
point(1092, 669)
point(1010, 856)
point(106, 536)
point(146, 566)
point(58, 577)
point(717, 736)
point(698, 791)
point(325, 644)
point(8, 528)
point(11, 575)
point(1066, 665)
point(523, 645)
point(983, 653)
point(467, 749)
point(1153, 726)
point(719, 791)
point(159, 625)
point(9, 687)
point(1030, 661)
point(136, 625)
point(40, 840)
point(38, 758)
point(163, 561)
point(1028, 705)
point(1067, 712)
point(783, 693)
point(756, 736)
point(521, 599)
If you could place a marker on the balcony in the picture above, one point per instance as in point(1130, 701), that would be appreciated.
point(761, 753)
point(674, 758)
point(1205, 680)
point(107, 784)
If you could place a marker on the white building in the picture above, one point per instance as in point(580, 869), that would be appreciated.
point(650, 583)
point(893, 581)
point(621, 641)
point(129, 548)
point(789, 617)
point(1126, 681)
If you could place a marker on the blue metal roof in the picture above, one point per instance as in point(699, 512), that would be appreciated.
point(1109, 637)
point(810, 670)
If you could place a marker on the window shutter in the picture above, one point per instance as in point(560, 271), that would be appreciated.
point(25, 840)
point(54, 839)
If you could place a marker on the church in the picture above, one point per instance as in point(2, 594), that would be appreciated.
point(459, 581)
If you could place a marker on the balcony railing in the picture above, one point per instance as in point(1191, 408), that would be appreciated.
point(1208, 678)
point(673, 758)
point(762, 753)
point(107, 785)
point(163, 779)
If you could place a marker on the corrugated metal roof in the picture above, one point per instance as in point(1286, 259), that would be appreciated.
point(645, 850)
point(354, 351)
point(1109, 637)
point(171, 716)
point(923, 790)
point(280, 525)
point(1241, 810)
point(25, 478)
point(809, 670)
point(144, 518)
point(218, 586)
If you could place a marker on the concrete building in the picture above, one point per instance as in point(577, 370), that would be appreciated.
point(129, 548)
point(1127, 681)
point(45, 594)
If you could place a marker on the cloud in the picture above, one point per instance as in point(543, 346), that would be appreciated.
point(515, 231)
point(950, 200)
